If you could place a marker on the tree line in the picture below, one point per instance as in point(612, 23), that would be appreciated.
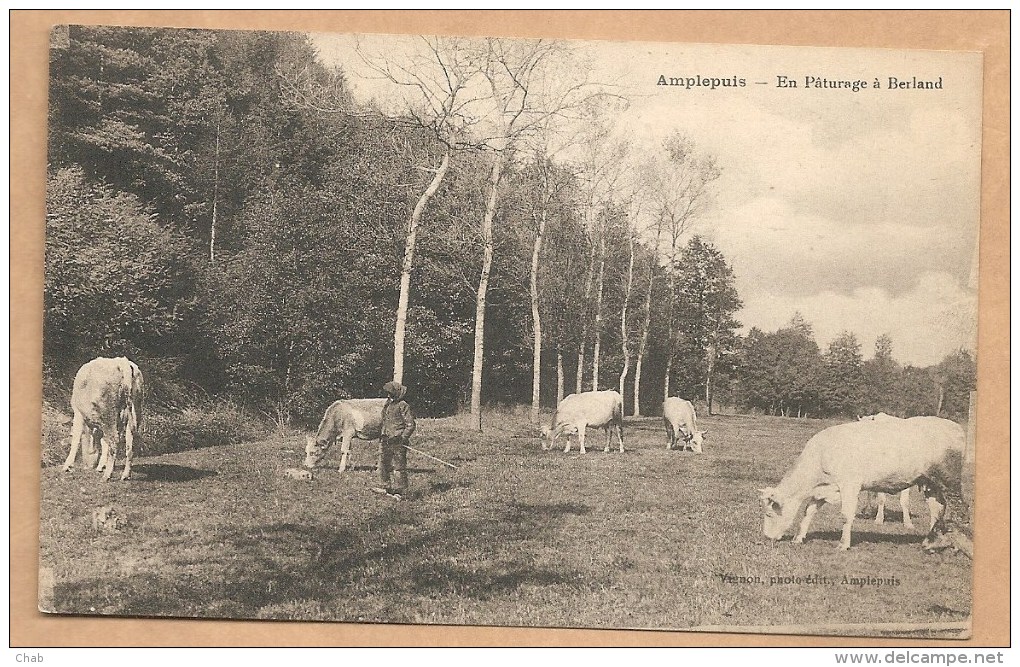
point(221, 210)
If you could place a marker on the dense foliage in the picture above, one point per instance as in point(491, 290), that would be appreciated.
point(220, 210)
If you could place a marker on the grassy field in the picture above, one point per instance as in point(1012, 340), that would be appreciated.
point(515, 536)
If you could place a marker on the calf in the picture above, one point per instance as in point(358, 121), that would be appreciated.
point(345, 420)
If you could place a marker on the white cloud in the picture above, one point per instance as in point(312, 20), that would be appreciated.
point(936, 317)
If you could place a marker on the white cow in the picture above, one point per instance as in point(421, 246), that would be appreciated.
point(107, 403)
point(880, 497)
point(576, 412)
point(345, 420)
point(682, 424)
point(875, 455)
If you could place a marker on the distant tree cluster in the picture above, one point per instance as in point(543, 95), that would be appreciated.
point(785, 373)
point(221, 210)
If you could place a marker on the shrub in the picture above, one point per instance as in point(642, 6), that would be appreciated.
point(167, 431)
point(163, 430)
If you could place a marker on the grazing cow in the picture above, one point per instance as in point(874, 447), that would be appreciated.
point(107, 404)
point(875, 455)
point(345, 420)
point(576, 412)
point(880, 497)
point(682, 424)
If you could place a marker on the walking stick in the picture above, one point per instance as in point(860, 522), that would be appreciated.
point(434, 458)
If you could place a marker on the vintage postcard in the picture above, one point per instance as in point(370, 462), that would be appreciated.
point(504, 332)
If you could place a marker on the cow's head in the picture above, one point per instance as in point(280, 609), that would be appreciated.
point(546, 437)
point(314, 451)
point(549, 435)
point(697, 441)
point(778, 514)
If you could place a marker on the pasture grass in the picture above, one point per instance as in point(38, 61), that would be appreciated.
point(514, 536)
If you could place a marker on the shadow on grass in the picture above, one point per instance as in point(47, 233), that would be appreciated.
point(165, 472)
point(329, 572)
point(864, 537)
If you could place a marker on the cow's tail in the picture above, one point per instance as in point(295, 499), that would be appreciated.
point(134, 387)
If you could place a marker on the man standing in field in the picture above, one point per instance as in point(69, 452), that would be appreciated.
point(397, 427)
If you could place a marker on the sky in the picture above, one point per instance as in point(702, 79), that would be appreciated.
point(859, 210)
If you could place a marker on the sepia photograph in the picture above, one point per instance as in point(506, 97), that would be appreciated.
point(492, 331)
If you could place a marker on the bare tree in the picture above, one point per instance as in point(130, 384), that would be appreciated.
point(440, 77)
point(601, 166)
point(681, 194)
point(526, 89)
point(551, 183)
point(635, 202)
point(653, 265)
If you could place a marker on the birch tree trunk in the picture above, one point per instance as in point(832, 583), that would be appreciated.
point(405, 270)
point(670, 307)
point(596, 352)
point(637, 384)
point(642, 345)
point(215, 197)
point(624, 341)
point(645, 325)
point(483, 286)
point(536, 318)
point(578, 387)
point(559, 376)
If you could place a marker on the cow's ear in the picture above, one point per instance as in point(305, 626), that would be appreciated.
point(767, 493)
point(703, 433)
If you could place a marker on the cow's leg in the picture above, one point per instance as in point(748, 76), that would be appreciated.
point(849, 495)
point(880, 512)
point(580, 437)
point(89, 444)
point(104, 452)
point(619, 433)
point(345, 451)
point(129, 450)
point(609, 438)
point(567, 448)
point(905, 506)
point(109, 450)
point(937, 506)
point(809, 515)
point(77, 430)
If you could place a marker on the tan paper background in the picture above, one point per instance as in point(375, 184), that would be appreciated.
point(985, 31)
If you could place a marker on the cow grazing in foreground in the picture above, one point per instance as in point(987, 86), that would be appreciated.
point(880, 497)
point(107, 403)
point(345, 420)
point(576, 412)
point(682, 424)
point(874, 455)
